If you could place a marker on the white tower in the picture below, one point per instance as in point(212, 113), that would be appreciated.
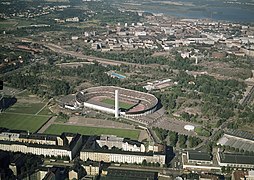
point(116, 104)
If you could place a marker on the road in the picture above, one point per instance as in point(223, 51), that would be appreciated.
point(78, 55)
point(58, 163)
point(154, 136)
point(167, 171)
point(46, 126)
point(44, 106)
point(211, 138)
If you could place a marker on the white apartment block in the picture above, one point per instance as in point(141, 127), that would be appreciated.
point(121, 157)
point(122, 143)
point(66, 144)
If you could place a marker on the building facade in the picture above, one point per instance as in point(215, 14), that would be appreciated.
point(67, 144)
point(235, 160)
point(122, 156)
point(122, 143)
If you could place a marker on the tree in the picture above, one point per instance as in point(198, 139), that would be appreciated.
point(186, 116)
point(209, 147)
point(219, 122)
point(144, 163)
point(104, 147)
point(223, 169)
point(173, 138)
point(193, 141)
point(182, 140)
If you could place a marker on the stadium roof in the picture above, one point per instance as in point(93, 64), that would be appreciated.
point(199, 156)
point(236, 158)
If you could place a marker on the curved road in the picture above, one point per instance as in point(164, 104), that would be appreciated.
point(61, 50)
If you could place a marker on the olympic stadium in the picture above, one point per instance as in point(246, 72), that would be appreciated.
point(117, 100)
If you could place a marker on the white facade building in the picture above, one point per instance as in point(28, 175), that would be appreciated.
point(122, 143)
point(121, 156)
point(41, 144)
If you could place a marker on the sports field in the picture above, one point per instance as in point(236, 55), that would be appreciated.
point(28, 113)
point(45, 111)
point(123, 105)
point(22, 122)
point(25, 108)
point(58, 129)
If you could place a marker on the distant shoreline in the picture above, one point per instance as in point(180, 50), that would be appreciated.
point(222, 12)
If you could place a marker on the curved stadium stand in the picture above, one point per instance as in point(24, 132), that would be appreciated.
point(143, 103)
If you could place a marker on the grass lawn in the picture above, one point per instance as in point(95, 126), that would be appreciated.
point(247, 127)
point(202, 132)
point(58, 129)
point(45, 111)
point(22, 22)
point(7, 24)
point(123, 105)
point(22, 122)
point(121, 73)
point(25, 108)
point(61, 119)
point(24, 94)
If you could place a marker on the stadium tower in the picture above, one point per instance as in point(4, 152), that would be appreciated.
point(116, 104)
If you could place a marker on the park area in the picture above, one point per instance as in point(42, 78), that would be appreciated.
point(202, 131)
point(58, 129)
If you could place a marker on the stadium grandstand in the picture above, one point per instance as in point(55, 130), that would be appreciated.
point(131, 103)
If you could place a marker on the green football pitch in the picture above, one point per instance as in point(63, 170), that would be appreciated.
point(28, 113)
point(25, 108)
point(22, 122)
point(58, 129)
point(122, 105)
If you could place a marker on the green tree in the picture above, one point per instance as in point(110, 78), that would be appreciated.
point(144, 163)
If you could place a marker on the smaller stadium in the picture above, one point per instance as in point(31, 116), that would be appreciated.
point(117, 100)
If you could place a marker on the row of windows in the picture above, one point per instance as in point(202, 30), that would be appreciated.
point(118, 158)
point(38, 151)
point(200, 162)
point(33, 141)
point(240, 165)
point(126, 159)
